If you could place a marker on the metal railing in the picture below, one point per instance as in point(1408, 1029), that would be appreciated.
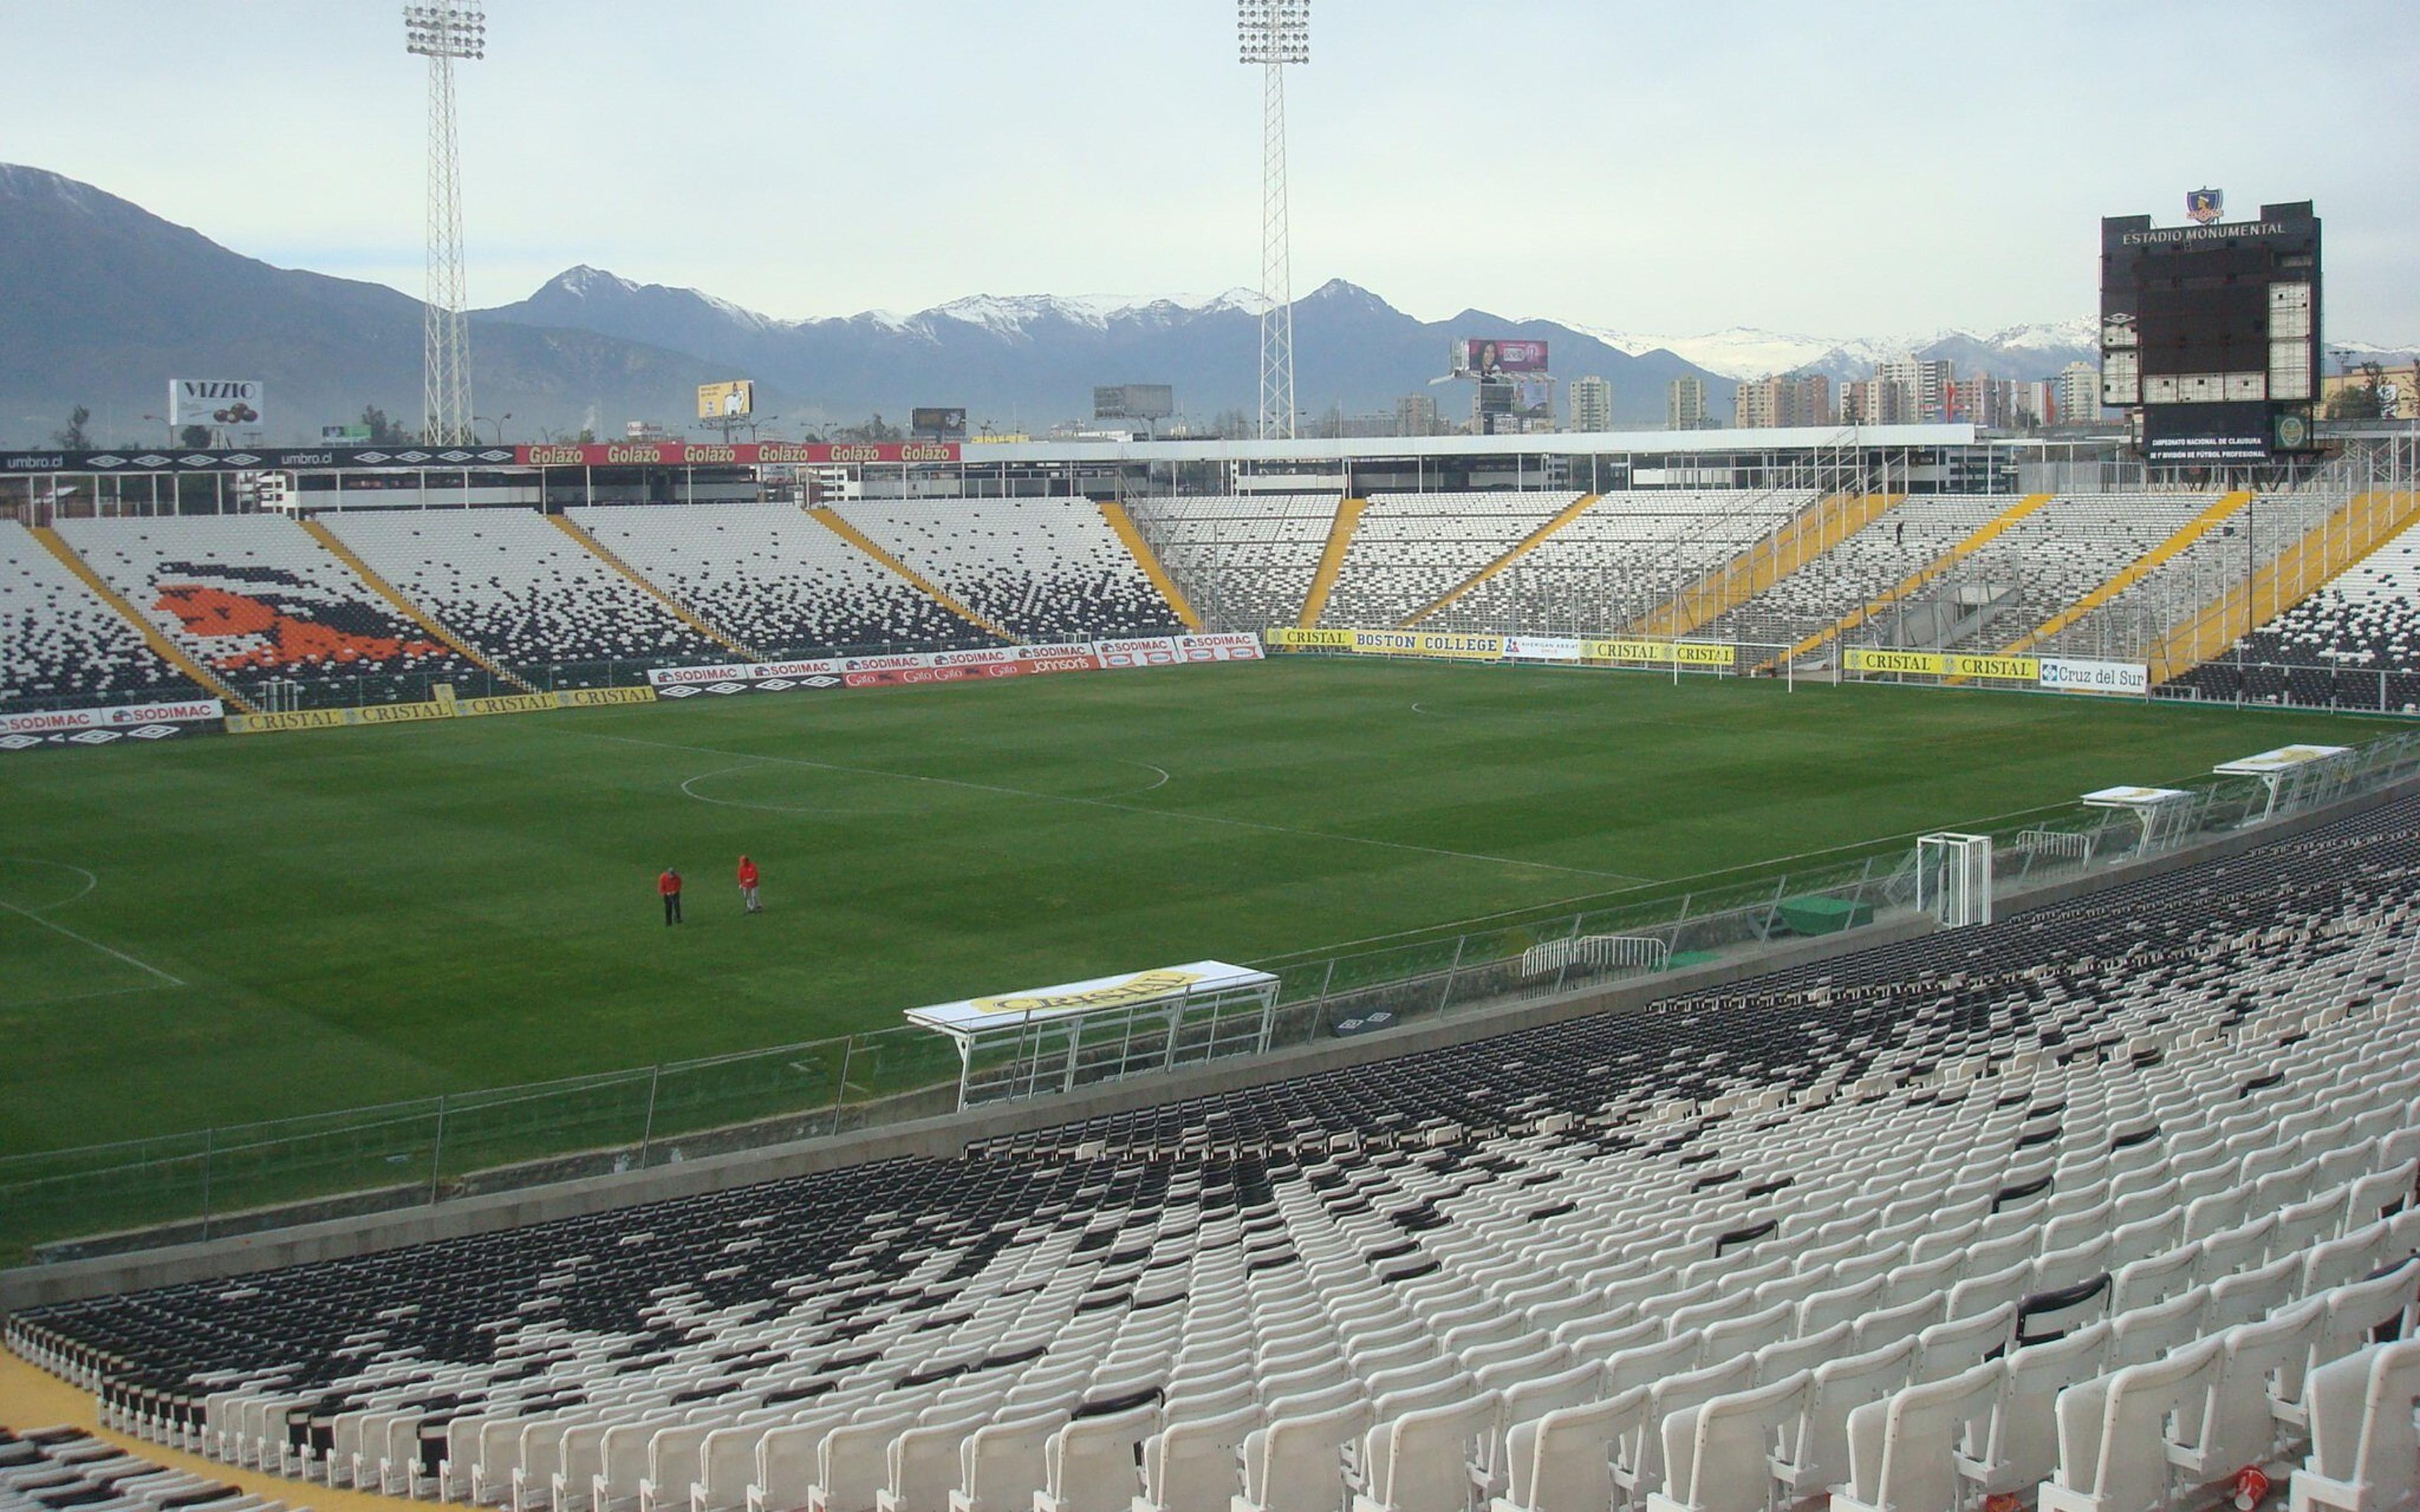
point(242, 1177)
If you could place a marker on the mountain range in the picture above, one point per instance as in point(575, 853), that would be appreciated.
point(107, 302)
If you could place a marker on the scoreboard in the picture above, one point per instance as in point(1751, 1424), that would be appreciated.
point(2212, 333)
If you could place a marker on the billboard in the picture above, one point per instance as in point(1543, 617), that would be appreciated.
point(1134, 401)
point(734, 400)
point(2212, 330)
point(946, 422)
point(1483, 356)
point(223, 404)
point(2201, 435)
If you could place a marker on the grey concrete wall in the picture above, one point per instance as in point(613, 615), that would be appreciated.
point(947, 1137)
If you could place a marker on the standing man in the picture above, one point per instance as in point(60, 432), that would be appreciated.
point(748, 886)
point(669, 885)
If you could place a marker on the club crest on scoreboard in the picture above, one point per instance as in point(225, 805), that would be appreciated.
point(2203, 206)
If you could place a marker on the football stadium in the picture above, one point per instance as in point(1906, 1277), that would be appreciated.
point(1869, 965)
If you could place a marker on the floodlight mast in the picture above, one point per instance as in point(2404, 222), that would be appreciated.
point(441, 33)
point(1272, 34)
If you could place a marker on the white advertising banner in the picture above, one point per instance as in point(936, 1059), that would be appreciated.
point(1154, 651)
point(1541, 648)
point(224, 404)
point(123, 717)
point(1220, 647)
point(2067, 674)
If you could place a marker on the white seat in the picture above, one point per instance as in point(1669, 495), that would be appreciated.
point(2259, 1388)
point(1945, 1349)
point(2119, 1433)
point(1563, 1461)
point(2365, 1451)
point(1090, 1464)
point(1908, 1452)
point(1419, 1461)
point(1000, 1463)
point(2024, 1447)
point(1190, 1466)
point(1718, 1457)
point(1295, 1464)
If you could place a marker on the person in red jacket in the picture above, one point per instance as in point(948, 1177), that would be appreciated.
point(669, 885)
point(748, 886)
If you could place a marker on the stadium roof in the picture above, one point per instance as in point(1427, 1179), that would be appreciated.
point(1557, 444)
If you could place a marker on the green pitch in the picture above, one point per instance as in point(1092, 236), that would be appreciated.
point(221, 930)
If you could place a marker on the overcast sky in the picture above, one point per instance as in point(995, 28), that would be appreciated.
point(1827, 169)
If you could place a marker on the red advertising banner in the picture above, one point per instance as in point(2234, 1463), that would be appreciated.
point(734, 453)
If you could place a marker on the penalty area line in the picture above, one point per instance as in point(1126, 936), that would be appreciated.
point(111, 951)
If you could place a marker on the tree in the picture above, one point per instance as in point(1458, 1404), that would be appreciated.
point(383, 432)
point(2354, 401)
point(73, 438)
point(194, 436)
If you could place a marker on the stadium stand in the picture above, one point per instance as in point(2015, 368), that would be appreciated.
point(1958, 1217)
point(1244, 562)
point(255, 600)
point(1629, 553)
point(773, 578)
point(519, 591)
point(2353, 644)
point(63, 640)
point(50, 1469)
point(1412, 548)
point(1901, 545)
point(1046, 570)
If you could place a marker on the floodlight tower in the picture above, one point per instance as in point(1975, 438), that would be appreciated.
point(1274, 33)
point(440, 32)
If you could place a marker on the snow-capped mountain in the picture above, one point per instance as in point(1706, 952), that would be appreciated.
point(2027, 352)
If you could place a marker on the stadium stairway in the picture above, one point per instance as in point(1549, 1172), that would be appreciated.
point(1145, 558)
point(2343, 540)
point(687, 616)
point(831, 520)
point(1984, 535)
point(1331, 560)
point(160, 645)
point(1521, 548)
point(2133, 572)
point(1788, 547)
point(345, 554)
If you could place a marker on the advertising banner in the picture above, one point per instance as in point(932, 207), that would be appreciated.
point(1541, 648)
point(726, 401)
point(1686, 653)
point(1222, 647)
point(222, 404)
point(1942, 664)
point(103, 727)
point(444, 708)
point(1279, 638)
point(1429, 643)
point(1484, 356)
point(1159, 651)
point(2068, 674)
point(729, 454)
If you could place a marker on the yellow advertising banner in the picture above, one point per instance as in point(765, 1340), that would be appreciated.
point(1687, 652)
point(1428, 643)
point(445, 708)
point(1285, 640)
point(256, 724)
point(589, 698)
point(1942, 664)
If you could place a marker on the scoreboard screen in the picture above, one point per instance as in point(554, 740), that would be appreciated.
point(2212, 332)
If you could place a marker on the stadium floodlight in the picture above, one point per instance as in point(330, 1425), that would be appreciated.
point(1272, 34)
point(442, 33)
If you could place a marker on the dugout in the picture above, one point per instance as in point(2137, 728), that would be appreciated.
point(1047, 1039)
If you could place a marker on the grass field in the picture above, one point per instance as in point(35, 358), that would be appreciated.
point(221, 929)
